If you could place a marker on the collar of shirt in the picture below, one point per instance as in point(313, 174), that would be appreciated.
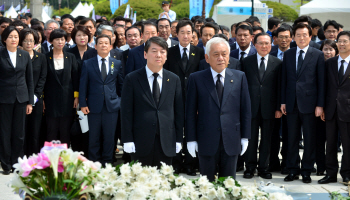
point(215, 78)
point(150, 78)
point(100, 62)
point(346, 63)
point(169, 42)
point(266, 58)
point(246, 51)
point(70, 42)
point(305, 50)
point(48, 45)
point(187, 51)
point(13, 57)
point(124, 47)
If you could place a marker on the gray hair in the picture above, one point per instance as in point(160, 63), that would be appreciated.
point(50, 22)
point(104, 27)
point(216, 40)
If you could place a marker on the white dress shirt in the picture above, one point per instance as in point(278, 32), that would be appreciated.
point(48, 44)
point(215, 76)
point(71, 43)
point(99, 59)
point(297, 55)
point(172, 16)
point(280, 54)
point(246, 52)
point(187, 50)
point(266, 58)
point(13, 57)
point(346, 63)
point(168, 42)
point(150, 78)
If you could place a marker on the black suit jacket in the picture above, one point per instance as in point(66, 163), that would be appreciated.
point(136, 59)
point(311, 44)
point(235, 53)
point(337, 94)
point(125, 58)
point(75, 52)
point(274, 48)
point(174, 42)
point(264, 94)
point(233, 64)
point(59, 96)
point(39, 65)
point(139, 113)
point(174, 64)
point(308, 86)
point(16, 82)
point(114, 53)
point(274, 53)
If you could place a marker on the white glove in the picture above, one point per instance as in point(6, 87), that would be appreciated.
point(192, 147)
point(129, 147)
point(178, 147)
point(244, 143)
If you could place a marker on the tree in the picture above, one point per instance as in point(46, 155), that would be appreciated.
point(63, 11)
point(145, 9)
point(282, 11)
point(182, 10)
point(103, 9)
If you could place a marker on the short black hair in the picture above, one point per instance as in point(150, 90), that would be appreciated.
point(67, 16)
point(199, 21)
point(340, 25)
point(18, 23)
point(223, 36)
point(301, 26)
point(320, 34)
point(331, 43)
point(197, 32)
point(34, 21)
point(57, 33)
point(209, 19)
point(103, 36)
point(284, 28)
point(233, 25)
point(24, 17)
point(164, 19)
point(5, 34)
point(83, 29)
point(25, 32)
point(210, 25)
point(148, 23)
point(101, 20)
point(5, 20)
point(152, 20)
point(261, 34)
point(156, 40)
point(119, 18)
point(185, 18)
point(183, 23)
point(139, 23)
point(303, 18)
point(273, 21)
point(29, 15)
point(224, 28)
point(78, 19)
point(86, 20)
point(128, 20)
point(256, 28)
point(243, 22)
point(251, 22)
point(274, 33)
point(40, 29)
point(194, 18)
point(175, 21)
point(343, 33)
point(331, 23)
point(254, 19)
point(132, 27)
point(244, 27)
point(316, 23)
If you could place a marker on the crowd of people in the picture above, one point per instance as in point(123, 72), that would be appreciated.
point(188, 92)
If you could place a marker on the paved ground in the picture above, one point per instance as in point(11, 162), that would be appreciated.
point(300, 190)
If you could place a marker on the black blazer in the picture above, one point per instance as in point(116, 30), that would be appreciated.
point(173, 42)
point(274, 48)
point(308, 86)
point(139, 113)
point(136, 59)
point(274, 53)
point(233, 64)
point(311, 44)
point(59, 96)
point(16, 82)
point(125, 58)
point(264, 93)
point(45, 50)
point(39, 64)
point(75, 52)
point(337, 94)
point(235, 53)
point(174, 64)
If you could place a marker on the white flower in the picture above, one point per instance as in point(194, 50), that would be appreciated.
point(180, 180)
point(203, 180)
point(262, 198)
point(54, 155)
point(184, 192)
point(110, 189)
point(161, 195)
point(119, 183)
point(125, 169)
point(69, 156)
point(166, 169)
point(105, 197)
point(204, 198)
point(204, 189)
point(194, 195)
point(174, 195)
point(221, 193)
point(138, 194)
point(229, 183)
point(235, 191)
point(136, 168)
point(212, 194)
point(18, 184)
point(278, 196)
point(18, 165)
point(247, 192)
point(142, 178)
point(80, 174)
point(120, 195)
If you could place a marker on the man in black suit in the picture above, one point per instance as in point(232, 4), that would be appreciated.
point(164, 31)
point(263, 73)
point(217, 113)
point(183, 59)
point(48, 28)
point(308, 21)
point(331, 30)
point(136, 59)
point(244, 39)
point(152, 109)
point(337, 110)
point(133, 39)
point(303, 74)
point(208, 30)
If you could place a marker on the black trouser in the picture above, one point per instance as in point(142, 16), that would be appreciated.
point(33, 127)
point(332, 127)
point(275, 145)
point(221, 162)
point(183, 159)
point(295, 119)
point(154, 157)
point(58, 128)
point(320, 145)
point(81, 143)
point(12, 131)
point(250, 156)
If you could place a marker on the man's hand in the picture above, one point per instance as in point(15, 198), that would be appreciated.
point(85, 110)
point(129, 147)
point(318, 111)
point(178, 147)
point(192, 147)
point(283, 109)
point(244, 143)
point(29, 109)
point(323, 117)
point(278, 114)
point(76, 102)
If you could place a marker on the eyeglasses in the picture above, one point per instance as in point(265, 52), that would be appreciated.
point(28, 41)
point(331, 31)
point(283, 37)
point(343, 41)
point(263, 43)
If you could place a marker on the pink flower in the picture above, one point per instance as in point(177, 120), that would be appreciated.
point(39, 161)
point(82, 158)
point(60, 166)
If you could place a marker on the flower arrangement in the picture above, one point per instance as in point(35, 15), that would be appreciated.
point(55, 172)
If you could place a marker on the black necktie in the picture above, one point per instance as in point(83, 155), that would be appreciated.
point(184, 59)
point(156, 89)
point(341, 71)
point(262, 68)
point(242, 56)
point(300, 61)
point(103, 69)
point(68, 45)
point(219, 88)
point(281, 54)
point(51, 47)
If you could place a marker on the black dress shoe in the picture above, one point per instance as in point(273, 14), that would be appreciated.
point(190, 172)
point(239, 168)
point(346, 180)
point(248, 173)
point(291, 177)
point(327, 179)
point(306, 179)
point(284, 171)
point(265, 175)
point(320, 173)
point(6, 172)
point(274, 169)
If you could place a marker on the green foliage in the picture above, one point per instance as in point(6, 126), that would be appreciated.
point(299, 3)
point(212, 8)
point(144, 8)
point(282, 11)
point(63, 11)
point(103, 8)
point(182, 10)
